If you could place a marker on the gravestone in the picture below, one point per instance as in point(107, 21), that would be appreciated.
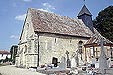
point(109, 62)
point(73, 63)
point(102, 60)
point(75, 59)
point(93, 60)
point(62, 65)
point(80, 61)
point(96, 65)
point(74, 69)
point(68, 60)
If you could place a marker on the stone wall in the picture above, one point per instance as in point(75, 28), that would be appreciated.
point(54, 46)
point(26, 48)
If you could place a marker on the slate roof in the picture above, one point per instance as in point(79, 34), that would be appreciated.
point(52, 23)
point(4, 52)
point(84, 10)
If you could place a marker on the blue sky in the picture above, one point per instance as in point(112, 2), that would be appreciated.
point(13, 12)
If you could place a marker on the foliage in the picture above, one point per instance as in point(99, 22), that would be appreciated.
point(104, 22)
point(13, 52)
point(6, 60)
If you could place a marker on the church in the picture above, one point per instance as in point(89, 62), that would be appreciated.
point(47, 37)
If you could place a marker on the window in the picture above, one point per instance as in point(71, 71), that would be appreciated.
point(55, 40)
point(92, 51)
point(27, 26)
point(80, 46)
point(25, 49)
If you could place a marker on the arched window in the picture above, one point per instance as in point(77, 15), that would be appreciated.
point(80, 46)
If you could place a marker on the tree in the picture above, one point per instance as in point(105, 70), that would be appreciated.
point(13, 52)
point(104, 22)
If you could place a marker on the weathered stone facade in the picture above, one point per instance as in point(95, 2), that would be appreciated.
point(49, 45)
point(47, 35)
point(56, 46)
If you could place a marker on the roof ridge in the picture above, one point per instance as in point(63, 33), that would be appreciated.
point(53, 13)
point(4, 52)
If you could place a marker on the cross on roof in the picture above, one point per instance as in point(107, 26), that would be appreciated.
point(84, 2)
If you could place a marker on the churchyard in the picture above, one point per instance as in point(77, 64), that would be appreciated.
point(87, 53)
point(55, 37)
point(65, 67)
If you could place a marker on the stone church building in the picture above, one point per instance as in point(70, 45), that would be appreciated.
point(47, 36)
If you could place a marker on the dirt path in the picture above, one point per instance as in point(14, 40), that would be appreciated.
point(12, 70)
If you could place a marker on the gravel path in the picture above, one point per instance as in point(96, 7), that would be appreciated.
point(12, 70)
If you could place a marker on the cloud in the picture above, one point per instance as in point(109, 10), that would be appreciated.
point(14, 37)
point(47, 7)
point(45, 10)
point(20, 17)
point(27, 0)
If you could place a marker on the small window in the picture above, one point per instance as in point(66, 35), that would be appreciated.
point(27, 26)
point(25, 49)
point(55, 40)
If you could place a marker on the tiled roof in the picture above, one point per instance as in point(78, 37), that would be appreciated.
point(84, 10)
point(95, 39)
point(4, 52)
point(52, 23)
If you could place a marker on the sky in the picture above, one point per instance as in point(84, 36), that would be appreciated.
point(13, 12)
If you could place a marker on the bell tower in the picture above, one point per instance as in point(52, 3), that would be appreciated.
point(86, 17)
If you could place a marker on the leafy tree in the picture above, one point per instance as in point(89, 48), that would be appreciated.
point(104, 22)
point(13, 52)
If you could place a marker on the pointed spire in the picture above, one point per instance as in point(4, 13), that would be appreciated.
point(84, 11)
point(86, 17)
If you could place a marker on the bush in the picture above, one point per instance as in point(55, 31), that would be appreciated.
point(6, 60)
